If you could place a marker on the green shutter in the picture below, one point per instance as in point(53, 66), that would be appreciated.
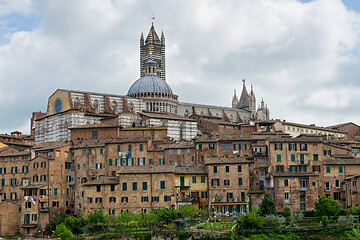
point(101, 151)
point(316, 157)
point(132, 161)
point(110, 162)
point(293, 157)
point(327, 169)
point(341, 170)
point(150, 161)
point(302, 159)
point(278, 157)
point(55, 191)
point(202, 179)
point(243, 196)
point(118, 148)
point(240, 181)
point(138, 161)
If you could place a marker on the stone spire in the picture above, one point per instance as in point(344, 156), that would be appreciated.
point(244, 98)
point(234, 100)
point(157, 47)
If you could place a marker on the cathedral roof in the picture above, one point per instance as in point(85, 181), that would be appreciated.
point(152, 34)
point(244, 99)
point(150, 84)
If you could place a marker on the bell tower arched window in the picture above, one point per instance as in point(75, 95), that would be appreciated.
point(58, 105)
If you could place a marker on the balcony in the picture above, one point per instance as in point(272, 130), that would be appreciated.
point(43, 209)
point(259, 154)
point(183, 184)
point(187, 199)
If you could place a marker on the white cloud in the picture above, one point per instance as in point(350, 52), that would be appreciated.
point(295, 54)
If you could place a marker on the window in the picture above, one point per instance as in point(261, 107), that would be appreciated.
point(226, 182)
point(162, 184)
point(55, 191)
point(36, 165)
point(145, 199)
point(13, 181)
point(144, 185)
point(304, 184)
point(242, 194)
point(327, 186)
point(58, 106)
point(279, 168)
point(179, 151)
point(341, 170)
point(337, 183)
point(240, 181)
point(227, 169)
point(292, 146)
point(327, 169)
point(215, 169)
point(101, 151)
point(215, 182)
point(134, 186)
point(111, 211)
point(141, 147)
point(287, 198)
point(302, 206)
point(200, 146)
point(110, 162)
point(286, 183)
point(155, 199)
point(167, 198)
point(316, 157)
point(13, 169)
point(99, 166)
point(211, 146)
point(170, 151)
point(316, 168)
point(202, 179)
point(161, 161)
point(337, 195)
point(98, 200)
point(94, 134)
point(247, 146)
point(124, 186)
point(141, 161)
point(302, 159)
point(98, 188)
point(193, 179)
point(354, 183)
point(112, 199)
point(239, 168)
point(226, 146)
point(303, 147)
point(129, 148)
point(278, 146)
point(327, 152)
point(89, 200)
point(293, 157)
point(278, 158)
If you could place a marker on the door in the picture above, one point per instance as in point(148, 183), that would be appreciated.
point(27, 219)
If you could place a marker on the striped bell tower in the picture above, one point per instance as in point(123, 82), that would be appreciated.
point(156, 46)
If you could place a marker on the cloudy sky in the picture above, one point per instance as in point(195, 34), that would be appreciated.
point(302, 57)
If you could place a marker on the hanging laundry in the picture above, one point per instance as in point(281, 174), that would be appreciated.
point(128, 154)
point(33, 199)
point(26, 198)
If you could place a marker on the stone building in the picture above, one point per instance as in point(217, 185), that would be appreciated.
point(150, 101)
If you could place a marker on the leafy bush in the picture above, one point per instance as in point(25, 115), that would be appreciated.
point(75, 224)
point(97, 217)
point(274, 221)
point(288, 214)
point(251, 220)
point(355, 210)
point(343, 220)
point(51, 226)
point(189, 211)
point(62, 232)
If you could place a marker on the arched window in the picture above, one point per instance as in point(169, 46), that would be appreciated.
point(58, 105)
point(186, 113)
point(131, 106)
point(96, 104)
point(114, 105)
point(76, 102)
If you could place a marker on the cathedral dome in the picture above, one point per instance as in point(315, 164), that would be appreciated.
point(149, 84)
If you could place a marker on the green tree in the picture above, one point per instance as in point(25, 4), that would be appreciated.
point(267, 206)
point(165, 215)
point(62, 232)
point(75, 224)
point(251, 220)
point(327, 207)
point(189, 212)
point(97, 217)
point(51, 226)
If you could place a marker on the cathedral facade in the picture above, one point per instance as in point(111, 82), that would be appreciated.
point(149, 102)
